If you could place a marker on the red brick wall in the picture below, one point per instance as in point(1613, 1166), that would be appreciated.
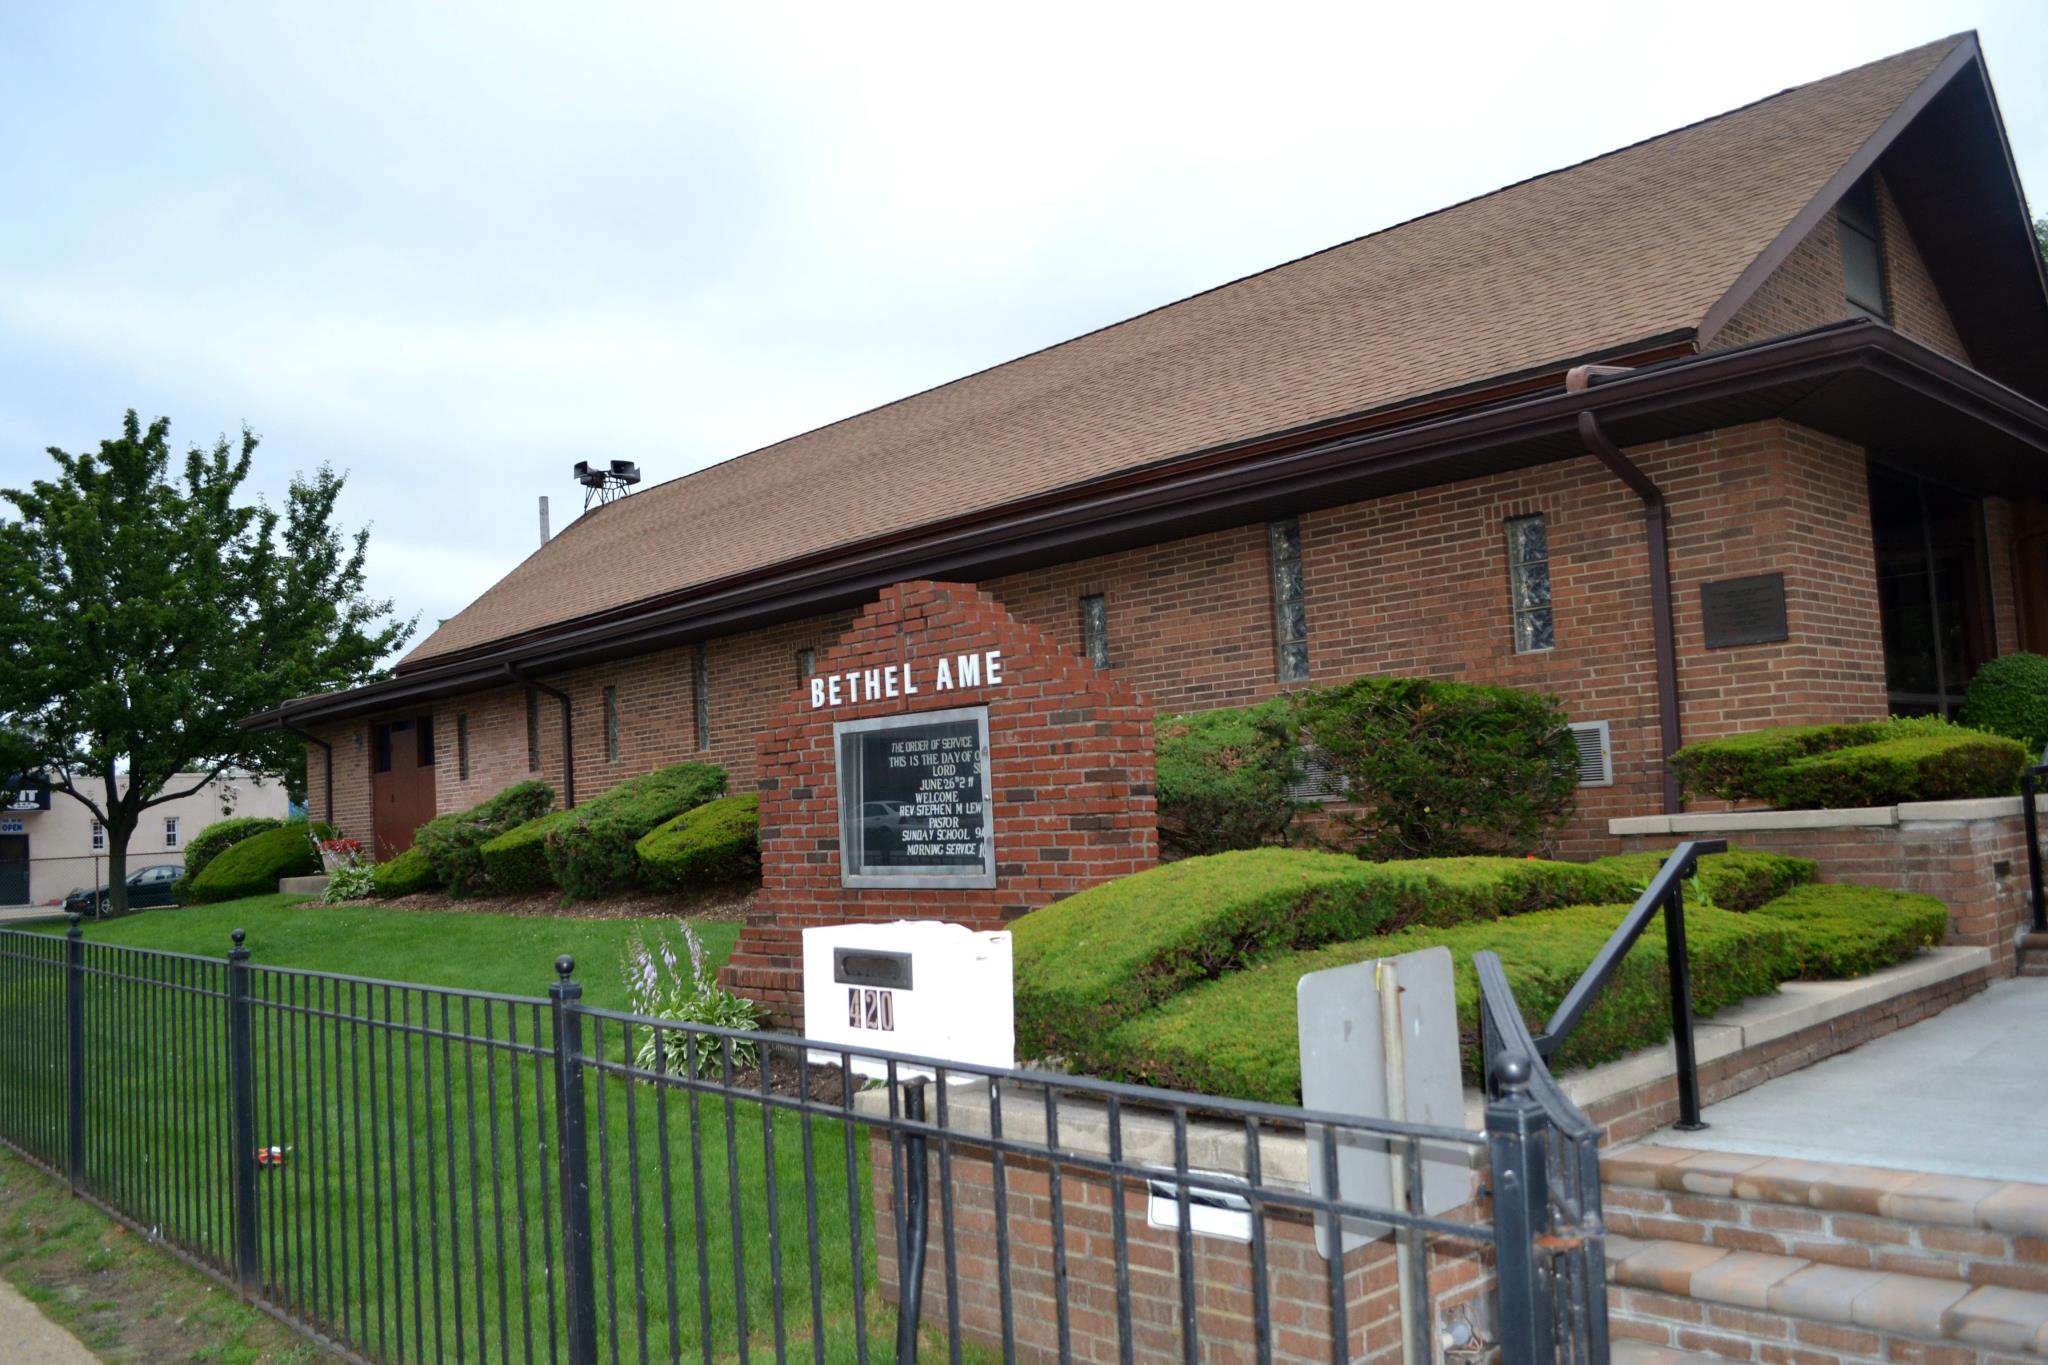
point(1070, 769)
point(1807, 289)
point(1412, 583)
point(351, 813)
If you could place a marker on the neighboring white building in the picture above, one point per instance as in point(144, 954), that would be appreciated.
point(44, 854)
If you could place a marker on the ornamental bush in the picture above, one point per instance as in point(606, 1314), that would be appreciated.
point(589, 851)
point(1863, 763)
point(1086, 963)
point(1739, 879)
point(2009, 696)
point(1224, 777)
point(1444, 769)
point(408, 873)
point(220, 836)
point(453, 844)
point(1238, 1036)
point(718, 842)
point(253, 866)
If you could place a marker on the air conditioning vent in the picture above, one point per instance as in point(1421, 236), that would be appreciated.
point(1317, 782)
point(1596, 757)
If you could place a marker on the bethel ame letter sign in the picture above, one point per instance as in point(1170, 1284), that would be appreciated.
point(914, 800)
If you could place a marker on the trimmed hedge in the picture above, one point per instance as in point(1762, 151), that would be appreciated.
point(1844, 931)
point(1086, 963)
point(588, 851)
point(1436, 769)
point(221, 835)
point(1224, 777)
point(1736, 880)
point(252, 866)
point(409, 872)
point(453, 844)
point(719, 841)
point(1239, 1036)
point(1867, 763)
point(2009, 696)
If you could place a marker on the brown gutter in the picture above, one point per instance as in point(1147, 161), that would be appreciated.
point(328, 768)
point(1580, 380)
point(513, 672)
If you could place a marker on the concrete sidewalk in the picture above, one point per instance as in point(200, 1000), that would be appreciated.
point(25, 1334)
point(1959, 1094)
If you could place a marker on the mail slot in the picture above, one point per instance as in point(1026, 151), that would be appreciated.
point(913, 986)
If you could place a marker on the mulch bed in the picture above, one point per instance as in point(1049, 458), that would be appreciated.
point(730, 904)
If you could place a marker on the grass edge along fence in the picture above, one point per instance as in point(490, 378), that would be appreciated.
point(411, 1172)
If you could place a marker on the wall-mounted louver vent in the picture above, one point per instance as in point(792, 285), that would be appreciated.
point(1596, 759)
point(1317, 782)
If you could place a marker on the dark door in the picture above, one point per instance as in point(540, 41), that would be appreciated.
point(1933, 590)
point(13, 869)
point(401, 782)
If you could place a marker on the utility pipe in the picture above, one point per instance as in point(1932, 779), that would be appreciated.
point(327, 768)
point(568, 732)
point(1579, 380)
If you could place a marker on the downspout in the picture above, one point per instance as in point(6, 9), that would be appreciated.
point(327, 769)
point(1579, 380)
point(568, 733)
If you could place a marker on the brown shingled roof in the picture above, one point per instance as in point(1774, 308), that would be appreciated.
point(1637, 244)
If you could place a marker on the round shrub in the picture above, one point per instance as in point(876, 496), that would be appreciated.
point(588, 851)
point(402, 876)
point(253, 866)
point(715, 843)
point(220, 836)
point(2009, 696)
point(1225, 777)
point(453, 844)
point(1443, 769)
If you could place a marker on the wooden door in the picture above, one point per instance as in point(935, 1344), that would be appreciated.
point(401, 782)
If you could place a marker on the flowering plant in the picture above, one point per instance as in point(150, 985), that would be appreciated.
point(663, 985)
point(337, 854)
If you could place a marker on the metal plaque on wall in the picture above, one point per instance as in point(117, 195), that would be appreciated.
point(1744, 611)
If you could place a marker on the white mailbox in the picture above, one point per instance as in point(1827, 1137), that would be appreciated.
point(918, 986)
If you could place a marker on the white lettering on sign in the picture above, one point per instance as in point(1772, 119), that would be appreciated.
point(981, 668)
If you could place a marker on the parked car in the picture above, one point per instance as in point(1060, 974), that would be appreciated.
point(147, 886)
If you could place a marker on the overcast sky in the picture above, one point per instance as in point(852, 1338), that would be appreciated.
point(453, 249)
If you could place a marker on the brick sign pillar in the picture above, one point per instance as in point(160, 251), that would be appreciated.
point(896, 710)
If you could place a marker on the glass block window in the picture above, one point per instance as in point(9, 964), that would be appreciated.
point(703, 690)
point(1529, 583)
point(532, 731)
point(806, 664)
point(170, 831)
point(1290, 604)
point(1095, 629)
point(1862, 251)
point(99, 836)
point(462, 744)
point(611, 724)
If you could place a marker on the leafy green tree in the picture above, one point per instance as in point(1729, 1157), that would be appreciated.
point(2041, 237)
point(147, 610)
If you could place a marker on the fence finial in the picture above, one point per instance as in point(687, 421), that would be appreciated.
point(565, 966)
point(1511, 1072)
point(74, 931)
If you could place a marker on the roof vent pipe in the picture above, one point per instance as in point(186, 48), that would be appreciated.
point(1580, 380)
point(543, 518)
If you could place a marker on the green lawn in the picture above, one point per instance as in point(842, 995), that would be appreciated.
point(417, 1216)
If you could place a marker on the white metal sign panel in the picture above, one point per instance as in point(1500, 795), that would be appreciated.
point(918, 986)
point(1347, 1064)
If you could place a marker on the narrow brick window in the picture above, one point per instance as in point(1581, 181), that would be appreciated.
point(703, 690)
point(1290, 600)
point(1856, 223)
point(532, 731)
point(1529, 583)
point(611, 724)
point(806, 664)
point(1095, 629)
point(462, 744)
point(170, 831)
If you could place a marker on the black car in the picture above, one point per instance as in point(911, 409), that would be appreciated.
point(147, 886)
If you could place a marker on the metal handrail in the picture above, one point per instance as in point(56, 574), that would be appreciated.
point(1665, 892)
point(2030, 786)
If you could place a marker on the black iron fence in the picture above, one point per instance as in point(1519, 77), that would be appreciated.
point(420, 1173)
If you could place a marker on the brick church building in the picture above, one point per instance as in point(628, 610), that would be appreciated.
point(1742, 425)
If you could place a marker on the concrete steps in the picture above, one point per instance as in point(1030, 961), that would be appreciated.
point(1643, 1353)
point(1768, 1259)
point(2033, 954)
